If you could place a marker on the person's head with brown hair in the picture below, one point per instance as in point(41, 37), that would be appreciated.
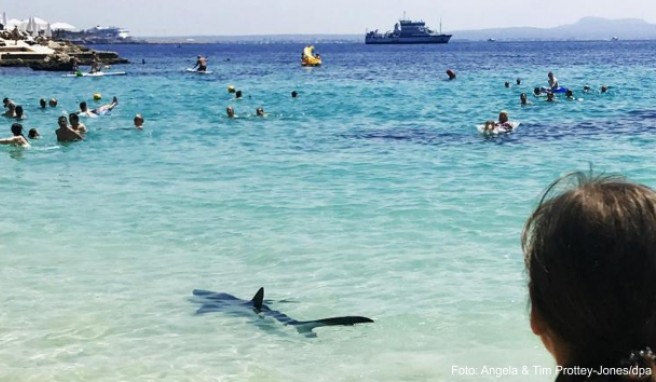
point(590, 253)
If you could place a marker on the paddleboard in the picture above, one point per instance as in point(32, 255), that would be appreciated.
point(96, 74)
point(498, 130)
point(190, 70)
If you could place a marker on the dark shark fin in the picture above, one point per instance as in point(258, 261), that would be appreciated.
point(258, 300)
point(307, 326)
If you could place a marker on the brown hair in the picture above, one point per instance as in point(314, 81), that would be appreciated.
point(591, 261)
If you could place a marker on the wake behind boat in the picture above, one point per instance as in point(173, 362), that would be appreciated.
point(408, 32)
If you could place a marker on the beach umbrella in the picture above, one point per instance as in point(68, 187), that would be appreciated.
point(48, 32)
point(4, 19)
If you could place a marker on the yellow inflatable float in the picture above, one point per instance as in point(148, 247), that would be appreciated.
point(309, 58)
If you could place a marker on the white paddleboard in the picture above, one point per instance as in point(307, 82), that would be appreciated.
point(190, 70)
point(96, 74)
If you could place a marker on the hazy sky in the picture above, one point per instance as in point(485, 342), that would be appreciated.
point(247, 17)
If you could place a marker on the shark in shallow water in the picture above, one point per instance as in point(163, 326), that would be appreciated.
point(224, 302)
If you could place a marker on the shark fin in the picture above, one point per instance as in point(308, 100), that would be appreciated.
point(308, 326)
point(258, 300)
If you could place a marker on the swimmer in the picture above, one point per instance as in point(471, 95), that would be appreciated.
point(503, 121)
point(519, 81)
point(76, 125)
point(33, 134)
point(230, 111)
point(43, 103)
point(586, 89)
point(104, 109)
point(65, 133)
point(489, 127)
point(19, 113)
point(550, 97)
point(11, 111)
point(6, 102)
point(570, 95)
point(294, 94)
point(537, 91)
point(18, 139)
point(231, 89)
point(201, 64)
point(138, 121)
point(604, 89)
point(52, 102)
point(259, 111)
point(553, 81)
point(238, 94)
point(523, 100)
point(451, 74)
point(506, 84)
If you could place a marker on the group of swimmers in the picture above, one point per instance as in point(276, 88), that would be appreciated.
point(69, 128)
point(504, 126)
point(259, 111)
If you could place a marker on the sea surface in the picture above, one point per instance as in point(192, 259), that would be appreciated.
point(370, 194)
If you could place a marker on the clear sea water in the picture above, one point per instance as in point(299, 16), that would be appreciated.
point(370, 194)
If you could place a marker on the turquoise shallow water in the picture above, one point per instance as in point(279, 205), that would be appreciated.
point(371, 194)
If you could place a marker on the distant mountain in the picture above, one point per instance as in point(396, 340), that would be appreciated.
point(588, 28)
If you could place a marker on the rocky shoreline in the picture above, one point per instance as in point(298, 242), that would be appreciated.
point(52, 55)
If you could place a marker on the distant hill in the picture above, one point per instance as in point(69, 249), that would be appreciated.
point(588, 28)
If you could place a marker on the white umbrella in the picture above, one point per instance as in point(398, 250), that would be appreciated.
point(4, 19)
point(48, 32)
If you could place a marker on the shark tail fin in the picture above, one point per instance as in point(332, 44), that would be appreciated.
point(308, 326)
point(258, 300)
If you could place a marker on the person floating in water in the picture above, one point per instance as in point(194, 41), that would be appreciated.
point(550, 97)
point(604, 89)
point(43, 103)
point(104, 109)
point(259, 111)
point(506, 84)
point(451, 74)
point(294, 94)
point(230, 111)
point(18, 139)
point(501, 126)
point(65, 133)
point(201, 64)
point(52, 102)
point(519, 81)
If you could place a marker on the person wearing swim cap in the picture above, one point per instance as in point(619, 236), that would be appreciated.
point(138, 121)
point(201, 64)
